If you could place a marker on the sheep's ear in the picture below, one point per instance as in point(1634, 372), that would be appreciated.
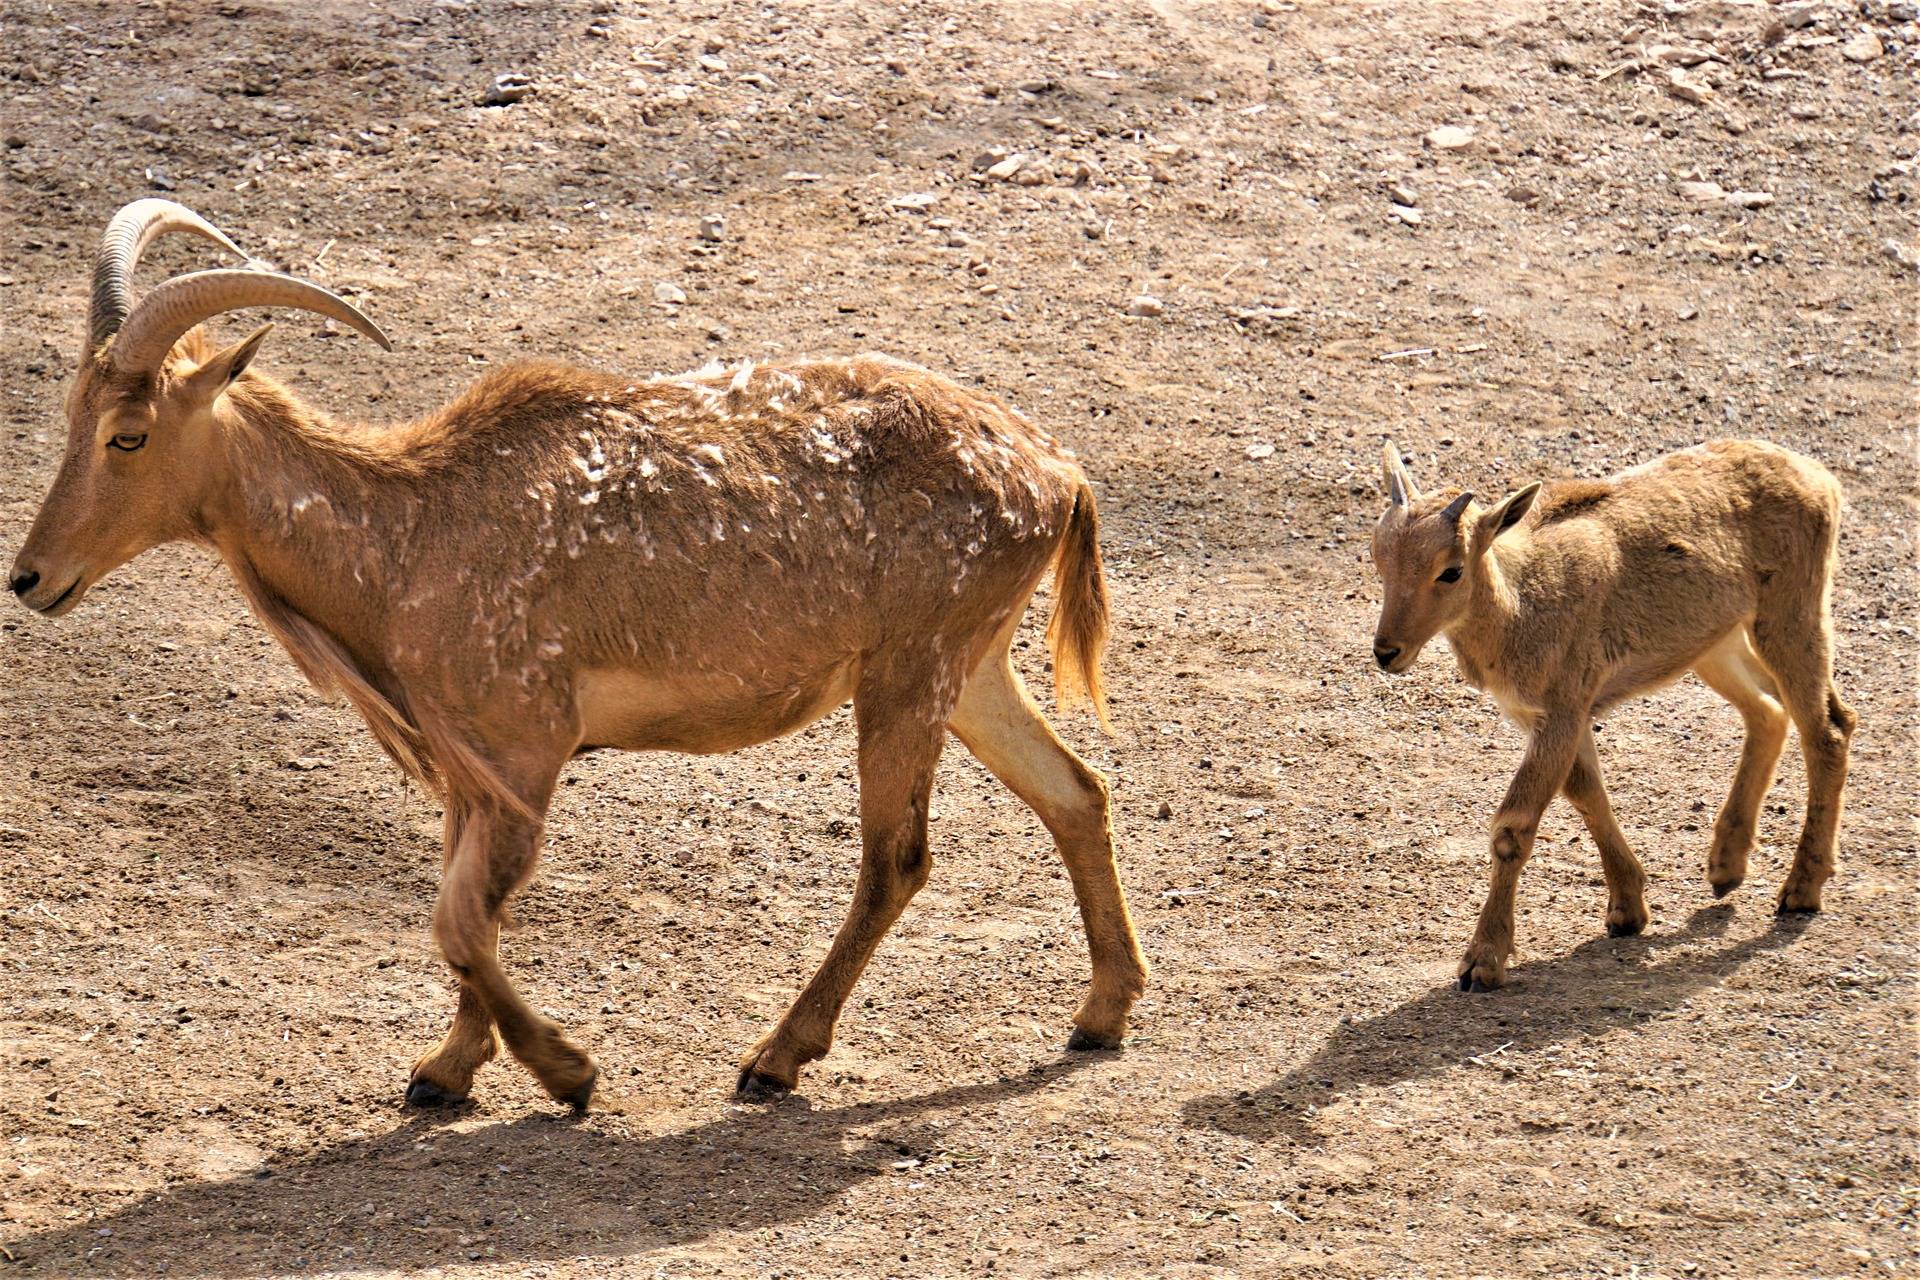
point(218, 373)
point(1393, 473)
point(1503, 515)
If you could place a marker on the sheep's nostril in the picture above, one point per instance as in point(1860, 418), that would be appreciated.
point(25, 581)
point(1385, 654)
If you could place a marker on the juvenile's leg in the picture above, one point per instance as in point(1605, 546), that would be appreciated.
point(1000, 724)
point(1734, 672)
point(1550, 754)
point(1626, 882)
point(1798, 648)
point(901, 731)
point(491, 854)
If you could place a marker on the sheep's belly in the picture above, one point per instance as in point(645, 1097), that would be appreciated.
point(705, 715)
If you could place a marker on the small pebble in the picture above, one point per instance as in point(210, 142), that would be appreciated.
point(1449, 137)
point(1864, 47)
point(508, 87)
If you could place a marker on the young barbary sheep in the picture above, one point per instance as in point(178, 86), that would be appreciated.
point(1561, 601)
point(562, 560)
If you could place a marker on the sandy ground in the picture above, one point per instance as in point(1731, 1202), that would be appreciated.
point(215, 968)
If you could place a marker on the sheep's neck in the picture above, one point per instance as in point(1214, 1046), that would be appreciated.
point(1479, 638)
point(310, 511)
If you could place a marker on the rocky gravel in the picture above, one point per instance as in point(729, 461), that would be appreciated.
point(1223, 250)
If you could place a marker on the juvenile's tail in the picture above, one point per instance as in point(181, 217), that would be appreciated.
point(1078, 632)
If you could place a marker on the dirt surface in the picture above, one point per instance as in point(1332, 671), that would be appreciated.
point(215, 967)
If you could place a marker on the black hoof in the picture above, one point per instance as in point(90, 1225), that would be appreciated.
point(1083, 1040)
point(1474, 985)
point(1466, 983)
point(1784, 910)
point(1722, 890)
point(580, 1097)
point(425, 1093)
point(1629, 929)
point(757, 1086)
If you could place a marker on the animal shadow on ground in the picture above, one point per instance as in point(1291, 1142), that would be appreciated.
point(1599, 985)
point(541, 1187)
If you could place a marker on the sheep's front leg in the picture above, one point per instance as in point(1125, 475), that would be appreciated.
point(444, 1074)
point(490, 854)
point(1626, 879)
point(1550, 754)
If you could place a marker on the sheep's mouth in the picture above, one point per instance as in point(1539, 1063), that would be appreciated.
point(61, 603)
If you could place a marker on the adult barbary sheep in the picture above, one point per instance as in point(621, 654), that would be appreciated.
point(1562, 601)
point(561, 560)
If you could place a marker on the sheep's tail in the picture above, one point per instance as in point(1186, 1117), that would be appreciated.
point(1078, 632)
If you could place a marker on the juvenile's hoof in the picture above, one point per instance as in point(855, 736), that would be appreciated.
point(425, 1093)
point(758, 1086)
point(1083, 1040)
point(1625, 928)
point(1722, 890)
point(1794, 909)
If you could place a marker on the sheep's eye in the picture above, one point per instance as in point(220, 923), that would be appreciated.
point(126, 442)
point(1451, 574)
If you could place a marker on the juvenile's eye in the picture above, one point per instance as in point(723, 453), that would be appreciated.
point(126, 442)
point(1451, 574)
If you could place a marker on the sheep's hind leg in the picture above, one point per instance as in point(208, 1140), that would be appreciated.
point(1000, 725)
point(901, 728)
point(1797, 648)
point(1733, 671)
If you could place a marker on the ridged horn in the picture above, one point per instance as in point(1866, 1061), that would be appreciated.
point(172, 308)
point(126, 238)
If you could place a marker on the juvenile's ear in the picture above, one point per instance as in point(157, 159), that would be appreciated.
point(1503, 515)
point(1393, 474)
point(217, 374)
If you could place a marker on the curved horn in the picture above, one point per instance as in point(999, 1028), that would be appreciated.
point(174, 307)
point(125, 239)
